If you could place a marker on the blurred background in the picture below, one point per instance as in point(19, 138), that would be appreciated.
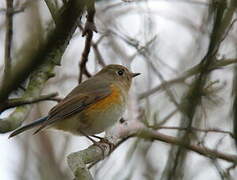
point(162, 39)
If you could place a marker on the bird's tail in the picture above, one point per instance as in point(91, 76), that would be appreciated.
point(28, 126)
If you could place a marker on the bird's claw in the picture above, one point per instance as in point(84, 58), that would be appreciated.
point(102, 144)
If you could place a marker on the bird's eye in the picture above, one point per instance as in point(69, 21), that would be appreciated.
point(120, 72)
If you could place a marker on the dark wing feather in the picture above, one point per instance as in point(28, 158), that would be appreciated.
point(75, 104)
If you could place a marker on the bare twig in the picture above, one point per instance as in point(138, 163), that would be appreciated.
point(167, 117)
point(200, 150)
point(215, 130)
point(98, 54)
point(227, 32)
point(24, 101)
point(192, 71)
point(13, 10)
point(165, 87)
point(88, 32)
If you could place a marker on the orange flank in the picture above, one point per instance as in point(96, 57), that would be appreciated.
point(113, 98)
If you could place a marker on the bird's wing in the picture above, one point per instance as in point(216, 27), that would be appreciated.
point(75, 104)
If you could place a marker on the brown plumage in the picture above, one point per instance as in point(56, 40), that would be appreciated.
point(92, 106)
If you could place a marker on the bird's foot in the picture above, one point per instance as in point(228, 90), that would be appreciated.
point(104, 141)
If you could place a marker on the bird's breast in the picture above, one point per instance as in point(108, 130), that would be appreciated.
point(106, 112)
point(116, 98)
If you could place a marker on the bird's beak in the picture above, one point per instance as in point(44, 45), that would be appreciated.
point(135, 74)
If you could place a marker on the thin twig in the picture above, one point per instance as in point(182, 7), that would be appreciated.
point(215, 130)
point(152, 135)
point(12, 10)
point(167, 117)
point(24, 101)
point(98, 54)
point(192, 71)
point(88, 32)
point(227, 32)
point(165, 87)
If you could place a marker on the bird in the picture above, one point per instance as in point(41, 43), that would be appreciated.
point(91, 107)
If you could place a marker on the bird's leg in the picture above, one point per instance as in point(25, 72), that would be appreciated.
point(98, 137)
point(92, 140)
point(88, 137)
point(98, 144)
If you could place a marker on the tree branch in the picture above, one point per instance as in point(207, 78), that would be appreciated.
point(52, 9)
point(214, 130)
point(78, 161)
point(8, 39)
point(88, 32)
point(98, 54)
point(25, 101)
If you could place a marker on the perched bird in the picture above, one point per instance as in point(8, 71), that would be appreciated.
point(92, 106)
